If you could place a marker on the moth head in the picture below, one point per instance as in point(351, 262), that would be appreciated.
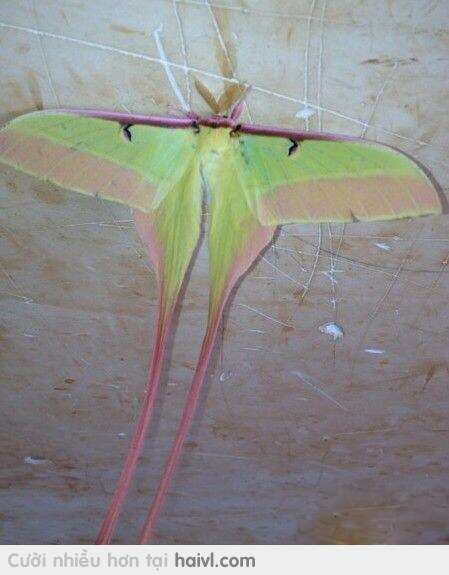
point(230, 103)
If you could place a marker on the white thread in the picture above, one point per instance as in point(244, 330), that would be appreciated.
point(166, 64)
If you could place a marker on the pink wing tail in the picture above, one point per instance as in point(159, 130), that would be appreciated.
point(183, 429)
point(252, 244)
point(163, 323)
point(146, 411)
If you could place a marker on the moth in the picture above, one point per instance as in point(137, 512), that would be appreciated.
point(257, 178)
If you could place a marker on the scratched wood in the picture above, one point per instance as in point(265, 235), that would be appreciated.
point(325, 418)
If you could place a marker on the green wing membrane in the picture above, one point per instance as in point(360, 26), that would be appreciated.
point(236, 235)
point(328, 181)
point(92, 156)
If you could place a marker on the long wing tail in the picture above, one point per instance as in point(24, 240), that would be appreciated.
point(235, 240)
point(170, 236)
point(163, 322)
point(183, 429)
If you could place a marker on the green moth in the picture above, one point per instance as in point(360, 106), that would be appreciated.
point(257, 178)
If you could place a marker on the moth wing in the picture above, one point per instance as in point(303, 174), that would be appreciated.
point(235, 234)
point(332, 181)
point(95, 157)
point(156, 172)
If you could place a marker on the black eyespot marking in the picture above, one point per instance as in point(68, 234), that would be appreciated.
point(127, 132)
point(293, 148)
point(196, 127)
point(235, 131)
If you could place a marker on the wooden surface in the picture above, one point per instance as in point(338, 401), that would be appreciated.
point(300, 438)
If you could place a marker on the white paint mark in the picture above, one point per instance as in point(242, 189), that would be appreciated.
point(307, 381)
point(332, 329)
point(330, 274)
point(28, 335)
point(255, 88)
point(335, 113)
point(256, 331)
point(121, 434)
point(157, 37)
point(384, 247)
point(305, 113)
point(374, 351)
point(225, 376)
point(373, 314)
point(35, 460)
